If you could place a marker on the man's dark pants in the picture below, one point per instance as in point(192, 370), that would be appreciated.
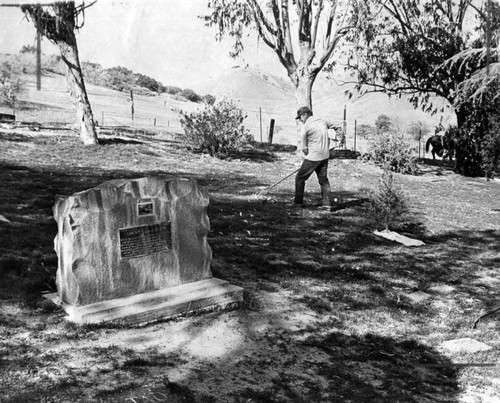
point(305, 171)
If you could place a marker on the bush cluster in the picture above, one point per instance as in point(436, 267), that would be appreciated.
point(391, 150)
point(478, 139)
point(216, 129)
point(11, 86)
point(490, 151)
point(120, 78)
point(190, 95)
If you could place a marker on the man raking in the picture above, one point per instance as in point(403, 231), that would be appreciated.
point(315, 147)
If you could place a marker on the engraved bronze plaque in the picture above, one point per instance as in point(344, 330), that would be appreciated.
point(145, 240)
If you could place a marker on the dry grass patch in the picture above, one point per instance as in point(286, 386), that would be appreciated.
point(326, 315)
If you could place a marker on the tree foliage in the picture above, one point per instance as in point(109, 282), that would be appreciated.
point(123, 79)
point(418, 130)
point(421, 48)
point(428, 48)
point(190, 95)
point(478, 139)
point(28, 49)
point(302, 33)
point(119, 78)
point(384, 124)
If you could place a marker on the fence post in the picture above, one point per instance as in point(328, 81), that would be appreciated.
point(419, 142)
point(355, 130)
point(132, 105)
point(102, 118)
point(260, 119)
point(345, 127)
point(38, 55)
point(271, 131)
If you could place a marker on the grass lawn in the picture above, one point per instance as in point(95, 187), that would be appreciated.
point(328, 314)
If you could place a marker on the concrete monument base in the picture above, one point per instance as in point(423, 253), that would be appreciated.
point(155, 305)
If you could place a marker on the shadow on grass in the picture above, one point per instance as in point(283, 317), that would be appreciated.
point(285, 245)
point(254, 241)
point(254, 155)
point(27, 260)
point(281, 365)
point(27, 105)
point(113, 141)
point(438, 166)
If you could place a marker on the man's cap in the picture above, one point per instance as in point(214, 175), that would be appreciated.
point(301, 111)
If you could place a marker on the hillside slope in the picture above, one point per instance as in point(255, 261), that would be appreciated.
point(110, 107)
point(265, 97)
point(261, 95)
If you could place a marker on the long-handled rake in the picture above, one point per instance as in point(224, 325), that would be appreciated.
point(266, 190)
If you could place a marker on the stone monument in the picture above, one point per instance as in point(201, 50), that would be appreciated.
point(134, 251)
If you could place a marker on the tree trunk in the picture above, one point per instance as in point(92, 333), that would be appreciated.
point(303, 88)
point(57, 24)
point(78, 93)
point(460, 153)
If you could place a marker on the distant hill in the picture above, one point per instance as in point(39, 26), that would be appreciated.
point(247, 84)
point(261, 95)
point(53, 105)
point(272, 97)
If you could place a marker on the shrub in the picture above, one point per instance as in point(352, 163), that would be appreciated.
point(217, 129)
point(190, 95)
point(148, 82)
point(392, 151)
point(209, 99)
point(365, 131)
point(93, 73)
point(384, 124)
point(418, 130)
point(172, 90)
point(11, 85)
point(118, 78)
point(28, 49)
point(52, 64)
point(387, 202)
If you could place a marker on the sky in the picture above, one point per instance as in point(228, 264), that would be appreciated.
point(163, 39)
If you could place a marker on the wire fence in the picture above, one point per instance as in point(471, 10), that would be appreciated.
point(258, 121)
point(162, 113)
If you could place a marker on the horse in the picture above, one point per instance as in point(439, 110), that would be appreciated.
point(443, 146)
point(437, 144)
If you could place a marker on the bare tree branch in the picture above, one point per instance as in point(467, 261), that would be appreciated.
point(317, 16)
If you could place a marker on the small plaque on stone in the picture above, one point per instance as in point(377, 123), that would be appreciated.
point(145, 240)
point(145, 209)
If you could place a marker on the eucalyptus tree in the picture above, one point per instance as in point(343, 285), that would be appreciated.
point(421, 48)
point(427, 49)
point(304, 34)
point(58, 22)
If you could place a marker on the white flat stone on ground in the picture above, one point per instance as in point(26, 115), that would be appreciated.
point(394, 236)
point(278, 262)
point(442, 289)
point(465, 345)
point(418, 296)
